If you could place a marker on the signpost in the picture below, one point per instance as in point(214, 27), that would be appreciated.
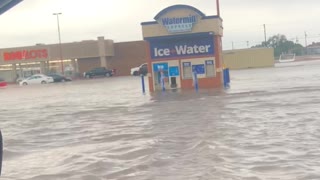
point(143, 84)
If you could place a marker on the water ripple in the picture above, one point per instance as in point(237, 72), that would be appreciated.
point(262, 128)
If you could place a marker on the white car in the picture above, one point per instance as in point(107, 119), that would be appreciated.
point(136, 70)
point(37, 79)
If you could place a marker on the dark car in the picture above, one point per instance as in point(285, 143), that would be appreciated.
point(100, 71)
point(59, 78)
point(143, 70)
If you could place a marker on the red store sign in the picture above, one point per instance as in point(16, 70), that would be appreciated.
point(25, 55)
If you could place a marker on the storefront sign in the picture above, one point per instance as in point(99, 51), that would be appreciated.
point(182, 47)
point(25, 55)
point(179, 24)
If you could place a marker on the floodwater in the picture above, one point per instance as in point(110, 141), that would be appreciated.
point(265, 127)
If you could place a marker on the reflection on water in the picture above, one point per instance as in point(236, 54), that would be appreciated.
point(265, 127)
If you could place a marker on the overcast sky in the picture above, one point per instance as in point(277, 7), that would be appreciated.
point(32, 22)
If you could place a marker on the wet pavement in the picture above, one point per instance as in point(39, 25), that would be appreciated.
point(265, 127)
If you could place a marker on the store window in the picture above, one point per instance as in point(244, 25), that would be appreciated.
point(187, 70)
point(210, 68)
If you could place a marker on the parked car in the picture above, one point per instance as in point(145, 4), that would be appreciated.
point(3, 83)
point(100, 71)
point(19, 79)
point(59, 78)
point(142, 69)
point(37, 79)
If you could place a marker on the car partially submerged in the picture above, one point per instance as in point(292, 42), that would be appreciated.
point(99, 71)
point(59, 78)
point(142, 69)
point(3, 83)
point(37, 79)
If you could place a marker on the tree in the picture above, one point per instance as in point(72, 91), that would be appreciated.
point(281, 45)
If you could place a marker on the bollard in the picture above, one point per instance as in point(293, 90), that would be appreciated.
point(162, 82)
point(143, 84)
point(226, 78)
point(195, 81)
point(1, 151)
point(228, 75)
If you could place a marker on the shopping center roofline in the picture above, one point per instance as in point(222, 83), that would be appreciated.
point(6, 5)
point(66, 43)
point(155, 22)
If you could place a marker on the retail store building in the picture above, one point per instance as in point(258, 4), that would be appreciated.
point(78, 57)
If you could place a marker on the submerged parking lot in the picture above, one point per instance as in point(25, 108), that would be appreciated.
point(266, 126)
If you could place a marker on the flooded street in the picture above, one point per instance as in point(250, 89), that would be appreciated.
point(265, 127)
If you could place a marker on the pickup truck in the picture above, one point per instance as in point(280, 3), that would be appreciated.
point(99, 71)
point(142, 69)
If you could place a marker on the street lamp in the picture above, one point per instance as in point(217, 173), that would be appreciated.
point(60, 47)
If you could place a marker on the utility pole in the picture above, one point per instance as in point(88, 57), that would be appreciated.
point(305, 37)
point(232, 46)
point(247, 44)
point(306, 41)
point(265, 35)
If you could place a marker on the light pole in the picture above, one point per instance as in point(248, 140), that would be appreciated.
point(60, 47)
point(265, 35)
point(306, 41)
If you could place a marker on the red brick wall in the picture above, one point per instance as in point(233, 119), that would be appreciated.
point(218, 56)
point(204, 83)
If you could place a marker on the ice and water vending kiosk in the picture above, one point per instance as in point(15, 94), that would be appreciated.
point(181, 42)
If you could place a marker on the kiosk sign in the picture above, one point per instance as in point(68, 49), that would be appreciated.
point(182, 50)
point(179, 24)
point(181, 47)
